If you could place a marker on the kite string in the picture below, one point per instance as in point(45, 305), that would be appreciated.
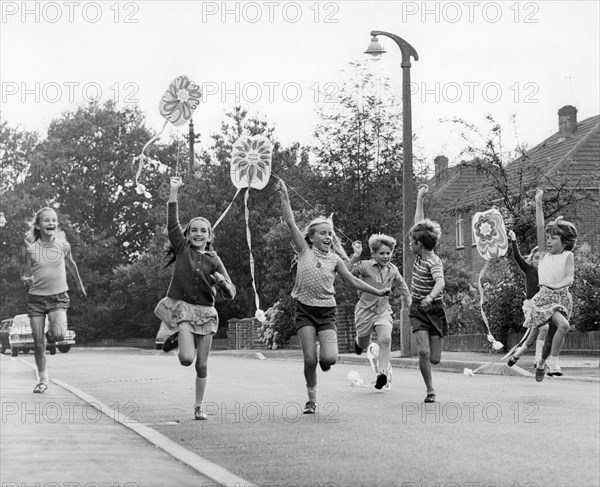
point(309, 204)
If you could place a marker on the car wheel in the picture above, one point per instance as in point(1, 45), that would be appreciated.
point(64, 348)
point(52, 350)
point(25, 351)
point(14, 352)
point(158, 346)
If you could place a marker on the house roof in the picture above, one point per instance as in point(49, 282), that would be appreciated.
point(574, 159)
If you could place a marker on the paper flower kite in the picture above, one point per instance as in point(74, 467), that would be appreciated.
point(177, 106)
point(250, 168)
point(490, 236)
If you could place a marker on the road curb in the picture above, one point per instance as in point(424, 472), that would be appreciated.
point(206, 468)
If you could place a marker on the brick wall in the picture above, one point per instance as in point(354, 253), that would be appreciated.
point(243, 334)
point(345, 327)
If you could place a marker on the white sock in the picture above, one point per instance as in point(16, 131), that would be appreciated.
point(43, 376)
point(553, 362)
point(312, 393)
point(200, 390)
point(539, 346)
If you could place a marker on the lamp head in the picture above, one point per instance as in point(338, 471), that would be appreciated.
point(2, 219)
point(375, 49)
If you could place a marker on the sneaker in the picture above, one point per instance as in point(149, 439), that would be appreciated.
point(171, 343)
point(310, 407)
point(49, 337)
point(554, 372)
point(381, 381)
point(512, 361)
point(199, 414)
point(357, 349)
point(539, 374)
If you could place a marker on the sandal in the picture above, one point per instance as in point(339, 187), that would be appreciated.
point(40, 388)
point(430, 398)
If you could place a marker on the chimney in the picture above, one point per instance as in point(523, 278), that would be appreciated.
point(567, 120)
point(441, 165)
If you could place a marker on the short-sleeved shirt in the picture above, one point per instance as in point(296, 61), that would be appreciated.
point(315, 276)
point(425, 272)
point(379, 277)
point(48, 267)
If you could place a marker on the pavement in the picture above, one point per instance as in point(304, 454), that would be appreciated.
point(66, 437)
point(69, 438)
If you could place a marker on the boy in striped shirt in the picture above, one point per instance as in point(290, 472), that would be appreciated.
point(427, 315)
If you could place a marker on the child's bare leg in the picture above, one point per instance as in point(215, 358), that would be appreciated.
point(37, 324)
point(204, 344)
point(424, 359)
point(308, 339)
point(533, 334)
point(539, 344)
point(384, 340)
point(57, 323)
point(187, 350)
point(329, 348)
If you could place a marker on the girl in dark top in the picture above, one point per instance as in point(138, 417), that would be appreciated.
point(529, 267)
point(189, 305)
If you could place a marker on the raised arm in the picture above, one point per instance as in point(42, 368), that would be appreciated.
point(355, 257)
point(516, 253)
point(288, 216)
point(539, 221)
point(357, 283)
point(173, 227)
point(419, 212)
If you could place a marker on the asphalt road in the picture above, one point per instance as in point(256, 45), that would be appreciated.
point(483, 431)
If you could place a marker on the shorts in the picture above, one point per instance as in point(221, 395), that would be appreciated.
point(366, 320)
point(40, 305)
point(319, 317)
point(432, 321)
point(179, 315)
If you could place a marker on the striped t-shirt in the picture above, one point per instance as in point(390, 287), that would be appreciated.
point(425, 271)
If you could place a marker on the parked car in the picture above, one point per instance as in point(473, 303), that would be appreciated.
point(21, 338)
point(162, 334)
point(4, 328)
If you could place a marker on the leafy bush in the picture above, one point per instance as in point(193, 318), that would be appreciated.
point(586, 291)
point(279, 325)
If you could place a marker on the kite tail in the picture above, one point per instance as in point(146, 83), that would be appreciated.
point(260, 315)
point(495, 343)
point(220, 219)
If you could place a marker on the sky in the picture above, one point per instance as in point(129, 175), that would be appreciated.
point(518, 61)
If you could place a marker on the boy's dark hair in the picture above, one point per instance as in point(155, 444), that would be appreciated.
point(566, 230)
point(427, 232)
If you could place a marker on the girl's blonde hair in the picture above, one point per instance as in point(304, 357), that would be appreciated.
point(566, 230)
point(35, 232)
point(336, 244)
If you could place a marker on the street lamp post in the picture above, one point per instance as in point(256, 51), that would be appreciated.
point(408, 197)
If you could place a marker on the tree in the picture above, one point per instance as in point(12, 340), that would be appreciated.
point(359, 156)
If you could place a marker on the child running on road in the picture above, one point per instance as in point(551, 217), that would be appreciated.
point(44, 272)
point(190, 300)
point(556, 273)
point(374, 313)
point(320, 256)
point(427, 314)
point(529, 266)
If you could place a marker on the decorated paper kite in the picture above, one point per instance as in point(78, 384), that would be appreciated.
point(177, 106)
point(492, 242)
point(250, 168)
